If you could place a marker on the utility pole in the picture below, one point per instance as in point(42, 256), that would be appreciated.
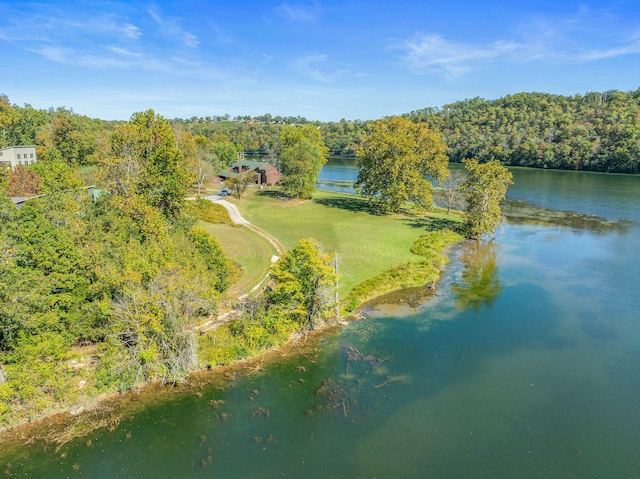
point(337, 283)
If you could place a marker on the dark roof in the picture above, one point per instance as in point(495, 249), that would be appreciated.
point(248, 163)
point(251, 165)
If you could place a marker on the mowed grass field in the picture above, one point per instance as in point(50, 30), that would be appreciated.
point(366, 244)
point(246, 248)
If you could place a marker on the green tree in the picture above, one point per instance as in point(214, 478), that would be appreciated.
point(304, 279)
point(8, 117)
point(147, 162)
point(395, 160)
point(211, 252)
point(303, 153)
point(50, 282)
point(239, 183)
point(56, 176)
point(224, 150)
point(486, 185)
point(66, 137)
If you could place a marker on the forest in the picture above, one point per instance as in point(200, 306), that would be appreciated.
point(97, 291)
point(104, 290)
point(594, 132)
point(597, 131)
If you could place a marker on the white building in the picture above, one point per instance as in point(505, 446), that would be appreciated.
point(18, 155)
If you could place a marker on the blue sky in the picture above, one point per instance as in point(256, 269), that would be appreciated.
point(324, 60)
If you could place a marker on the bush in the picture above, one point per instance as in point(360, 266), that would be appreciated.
point(210, 212)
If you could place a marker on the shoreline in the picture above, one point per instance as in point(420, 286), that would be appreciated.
point(107, 410)
point(99, 410)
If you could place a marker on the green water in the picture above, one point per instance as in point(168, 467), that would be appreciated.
point(524, 365)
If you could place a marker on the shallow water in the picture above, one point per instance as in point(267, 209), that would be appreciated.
point(524, 364)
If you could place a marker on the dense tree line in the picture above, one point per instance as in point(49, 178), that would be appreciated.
point(597, 131)
point(594, 132)
point(105, 293)
point(261, 137)
point(58, 133)
point(126, 274)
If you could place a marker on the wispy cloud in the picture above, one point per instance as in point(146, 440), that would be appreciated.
point(19, 27)
point(104, 59)
point(105, 25)
point(171, 27)
point(631, 48)
point(299, 13)
point(219, 35)
point(433, 53)
point(319, 67)
point(99, 40)
point(582, 38)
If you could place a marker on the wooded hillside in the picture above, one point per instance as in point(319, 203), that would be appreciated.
point(594, 132)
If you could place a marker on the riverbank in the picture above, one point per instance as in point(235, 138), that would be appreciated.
point(530, 379)
point(108, 410)
point(339, 221)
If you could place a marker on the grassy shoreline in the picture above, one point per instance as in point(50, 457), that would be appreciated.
point(399, 251)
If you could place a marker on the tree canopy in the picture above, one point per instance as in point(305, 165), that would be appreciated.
point(126, 275)
point(485, 186)
point(304, 279)
point(597, 131)
point(146, 162)
point(303, 153)
point(396, 160)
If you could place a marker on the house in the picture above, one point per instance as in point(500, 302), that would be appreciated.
point(18, 155)
point(266, 174)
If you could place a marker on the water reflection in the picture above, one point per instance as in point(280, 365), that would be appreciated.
point(520, 212)
point(479, 282)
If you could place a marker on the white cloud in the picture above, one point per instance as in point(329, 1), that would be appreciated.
point(108, 58)
point(427, 53)
point(171, 27)
point(298, 13)
point(318, 67)
point(101, 24)
point(585, 37)
point(632, 48)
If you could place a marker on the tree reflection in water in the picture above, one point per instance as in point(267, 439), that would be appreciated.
point(479, 283)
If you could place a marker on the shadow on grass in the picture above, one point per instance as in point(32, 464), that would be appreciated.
point(432, 224)
point(276, 194)
point(353, 204)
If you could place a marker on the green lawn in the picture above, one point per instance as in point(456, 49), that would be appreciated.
point(247, 248)
point(366, 244)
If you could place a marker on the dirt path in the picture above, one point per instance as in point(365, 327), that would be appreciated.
point(237, 218)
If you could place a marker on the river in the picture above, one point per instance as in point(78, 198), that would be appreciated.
point(524, 365)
